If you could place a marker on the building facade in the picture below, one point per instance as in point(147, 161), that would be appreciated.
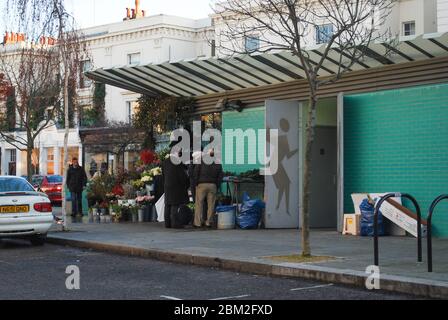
point(442, 15)
point(138, 39)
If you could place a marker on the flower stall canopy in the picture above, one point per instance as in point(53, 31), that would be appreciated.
point(99, 140)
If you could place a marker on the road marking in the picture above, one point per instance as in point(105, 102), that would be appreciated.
point(170, 298)
point(315, 287)
point(228, 298)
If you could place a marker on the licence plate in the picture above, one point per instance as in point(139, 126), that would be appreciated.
point(14, 209)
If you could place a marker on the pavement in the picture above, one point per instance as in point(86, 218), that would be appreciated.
point(250, 251)
point(115, 277)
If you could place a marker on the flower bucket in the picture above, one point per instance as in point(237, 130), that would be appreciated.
point(149, 188)
point(147, 211)
point(141, 215)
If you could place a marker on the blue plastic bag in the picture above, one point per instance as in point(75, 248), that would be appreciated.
point(367, 219)
point(225, 208)
point(250, 213)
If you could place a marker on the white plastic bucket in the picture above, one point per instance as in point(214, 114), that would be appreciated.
point(226, 220)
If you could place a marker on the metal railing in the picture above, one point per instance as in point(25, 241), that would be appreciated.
point(429, 228)
point(419, 224)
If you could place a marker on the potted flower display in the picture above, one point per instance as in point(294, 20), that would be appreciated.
point(104, 206)
point(146, 180)
point(141, 213)
point(95, 209)
point(116, 213)
point(144, 203)
point(133, 209)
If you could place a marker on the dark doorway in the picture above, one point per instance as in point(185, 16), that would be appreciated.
point(323, 212)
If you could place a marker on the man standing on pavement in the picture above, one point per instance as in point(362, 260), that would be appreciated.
point(76, 181)
point(208, 178)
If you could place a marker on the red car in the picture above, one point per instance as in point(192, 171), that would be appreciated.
point(52, 186)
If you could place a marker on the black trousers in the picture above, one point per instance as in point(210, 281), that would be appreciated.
point(170, 215)
point(175, 217)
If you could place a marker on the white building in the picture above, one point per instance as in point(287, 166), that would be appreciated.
point(442, 15)
point(152, 39)
point(135, 40)
point(407, 18)
point(48, 153)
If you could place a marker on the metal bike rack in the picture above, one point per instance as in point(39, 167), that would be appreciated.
point(429, 228)
point(419, 223)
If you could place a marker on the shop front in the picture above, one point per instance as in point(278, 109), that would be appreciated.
point(47, 156)
point(110, 149)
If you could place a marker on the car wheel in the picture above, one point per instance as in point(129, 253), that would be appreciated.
point(38, 240)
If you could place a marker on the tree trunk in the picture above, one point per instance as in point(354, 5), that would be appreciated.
point(29, 154)
point(152, 139)
point(310, 131)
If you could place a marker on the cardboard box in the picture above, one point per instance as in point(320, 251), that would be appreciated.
point(352, 224)
point(402, 217)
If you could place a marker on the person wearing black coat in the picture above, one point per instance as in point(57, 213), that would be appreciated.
point(176, 183)
point(76, 182)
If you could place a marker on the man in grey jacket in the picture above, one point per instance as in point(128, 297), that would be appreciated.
point(208, 177)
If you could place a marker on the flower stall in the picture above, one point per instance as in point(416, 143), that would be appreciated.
point(127, 196)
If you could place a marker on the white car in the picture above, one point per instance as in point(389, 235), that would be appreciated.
point(24, 212)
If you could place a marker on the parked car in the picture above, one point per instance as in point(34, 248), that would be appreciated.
point(24, 212)
point(36, 180)
point(51, 185)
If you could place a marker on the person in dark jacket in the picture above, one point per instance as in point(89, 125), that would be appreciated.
point(208, 178)
point(176, 183)
point(76, 182)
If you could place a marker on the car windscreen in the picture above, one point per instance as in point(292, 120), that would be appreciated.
point(37, 180)
point(14, 185)
point(54, 179)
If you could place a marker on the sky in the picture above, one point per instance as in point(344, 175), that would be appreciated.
point(89, 13)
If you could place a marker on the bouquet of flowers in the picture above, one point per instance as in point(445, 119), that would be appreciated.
point(143, 201)
point(118, 190)
point(157, 171)
point(138, 184)
point(147, 157)
point(146, 178)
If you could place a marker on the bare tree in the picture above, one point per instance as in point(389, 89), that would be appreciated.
point(293, 25)
point(4, 85)
point(33, 72)
point(71, 52)
point(49, 19)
